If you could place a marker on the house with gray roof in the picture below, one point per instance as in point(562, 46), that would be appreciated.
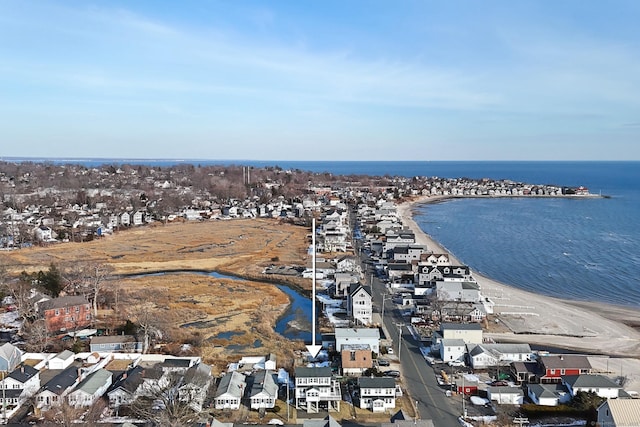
point(548, 394)
point(263, 390)
point(25, 378)
point(317, 389)
point(506, 395)
point(195, 386)
point(10, 357)
point(598, 384)
point(90, 389)
point(55, 390)
point(377, 394)
point(230, 391)
point(348, 336)
point(482, 356)
point(116, 343)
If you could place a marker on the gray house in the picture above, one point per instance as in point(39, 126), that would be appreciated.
point(117, 343)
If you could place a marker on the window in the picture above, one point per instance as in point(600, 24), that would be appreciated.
point(77, 308)
point(57, 312)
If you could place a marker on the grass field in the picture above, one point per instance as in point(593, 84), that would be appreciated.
point(246, 310)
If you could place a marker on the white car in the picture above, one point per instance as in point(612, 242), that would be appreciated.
point(458, 363)
point(389, 350)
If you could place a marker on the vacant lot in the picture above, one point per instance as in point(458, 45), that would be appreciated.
point(214, 311)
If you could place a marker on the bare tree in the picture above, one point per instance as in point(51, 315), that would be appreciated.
point(166, 402)
point(37, 336)
point(88, 278)
point(144, 313)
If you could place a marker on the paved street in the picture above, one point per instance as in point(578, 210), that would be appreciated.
point(418, 377)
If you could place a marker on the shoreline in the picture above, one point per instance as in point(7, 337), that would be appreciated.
point(543, 320)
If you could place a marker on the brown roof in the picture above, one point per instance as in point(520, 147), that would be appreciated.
point(566, 361)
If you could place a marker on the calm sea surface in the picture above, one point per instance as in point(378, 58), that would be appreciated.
point(587, 249)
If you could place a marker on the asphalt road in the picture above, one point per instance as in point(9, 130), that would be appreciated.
point(418, 377)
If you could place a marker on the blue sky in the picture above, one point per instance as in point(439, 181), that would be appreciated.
point(325, 80)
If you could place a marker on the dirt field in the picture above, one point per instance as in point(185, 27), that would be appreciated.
point(245, 310)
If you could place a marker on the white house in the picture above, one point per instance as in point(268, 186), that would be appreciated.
point(359, 305)
point(230, 391)
point(598, 384)
point(61, 360)
point(470, 333)
point(548, 394)
point(195, 386)
point(452, 350)
point(264, 390)
point(369, 336)
point(316, 388)
point(25, 378)
point(377, 394)
point(505, 395)
point(90, 389)
point(482, 356)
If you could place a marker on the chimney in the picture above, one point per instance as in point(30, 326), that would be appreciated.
point(22, 369)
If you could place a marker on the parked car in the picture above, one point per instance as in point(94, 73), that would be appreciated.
point(392, 373)
point(458, 363)
point(383, 362)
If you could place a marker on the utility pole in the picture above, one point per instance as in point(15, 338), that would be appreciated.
point(399, 325)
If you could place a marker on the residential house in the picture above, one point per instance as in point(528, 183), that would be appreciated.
point(124, 391)
point(125, 219)
point(434, 259)
point(456, 311)
point(458, 291)
point(506, 395)
point(343, 282)
point(548, 394)
point(317, 390)
point(346, 263)
point(407, 253)
point(55, 390)
point(67, 313)
point(356, 358)
point(252, 363)
point(482, 356)
point(619, 413)
point(395, 238)
point(598, 384)
point(377, 394)
point(43, 234)
point(195, 386)
point(554, 367)
point(350, 336)
point(23, 377)
point(138, 218)
point(359, 304)
point(263, 390)
point(90, 389)
point(116, 343)
point(452, 350)
point(525, 372)
point(62, 360)
point(10, 357)
point(230, 391)
point(470, 333)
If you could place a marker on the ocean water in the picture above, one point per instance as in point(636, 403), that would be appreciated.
point(584, 249)
point(587, 249)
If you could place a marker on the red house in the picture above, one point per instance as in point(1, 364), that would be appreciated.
point(553, 368)
point(66, 313)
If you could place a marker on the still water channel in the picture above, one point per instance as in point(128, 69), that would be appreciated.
point(294, 324)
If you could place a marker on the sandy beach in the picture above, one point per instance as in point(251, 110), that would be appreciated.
point(589, 327)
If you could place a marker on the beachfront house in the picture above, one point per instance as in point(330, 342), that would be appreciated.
point(598, 384)
point(485, 355)
point(553, 367)
point(619, 413)
point(548, 394)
